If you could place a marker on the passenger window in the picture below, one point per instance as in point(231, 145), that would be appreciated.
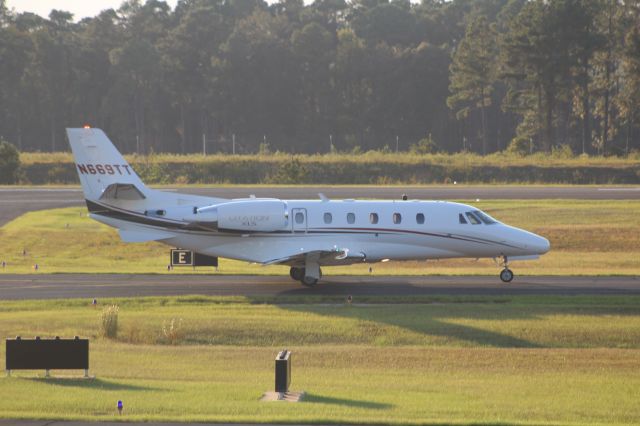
point(420, 218)
point(462, 219)
point(373, 218)
point(328, 218)
point(397, 218)
point(299, 217)
point(351, 218)
point(473, 219)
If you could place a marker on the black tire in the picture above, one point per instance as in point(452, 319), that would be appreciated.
point(309, 281)
point(296, 274)
point(506, 275)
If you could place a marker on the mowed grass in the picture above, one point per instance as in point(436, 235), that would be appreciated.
point(534, 322)
point(587, 238)
point(522, 360)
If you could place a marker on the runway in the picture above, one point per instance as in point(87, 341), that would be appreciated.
point(17, 201)
point(89, 286)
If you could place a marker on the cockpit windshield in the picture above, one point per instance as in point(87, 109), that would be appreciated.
point(472, 218)
point(476, 217)
point(485, 218)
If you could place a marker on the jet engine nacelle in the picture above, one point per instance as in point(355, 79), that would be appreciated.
point(247, 215)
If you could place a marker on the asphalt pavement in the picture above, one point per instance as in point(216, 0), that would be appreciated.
point(89, 286)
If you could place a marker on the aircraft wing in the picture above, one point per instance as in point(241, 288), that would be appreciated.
point(129, 236)
point(333, 256)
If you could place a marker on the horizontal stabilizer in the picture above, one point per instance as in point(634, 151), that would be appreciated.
point(143, 236)
point(122, 191)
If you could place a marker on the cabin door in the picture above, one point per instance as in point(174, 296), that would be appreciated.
point(299, 220)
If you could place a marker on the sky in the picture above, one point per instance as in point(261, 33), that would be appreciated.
point(79, 8)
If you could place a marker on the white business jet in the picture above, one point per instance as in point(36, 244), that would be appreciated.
point(303, 234)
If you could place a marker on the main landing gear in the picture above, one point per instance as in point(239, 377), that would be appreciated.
point(506, 275)
point(300, 274)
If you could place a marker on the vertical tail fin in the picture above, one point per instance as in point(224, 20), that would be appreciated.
point(101, 168)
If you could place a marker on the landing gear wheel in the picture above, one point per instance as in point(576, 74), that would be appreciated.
point(297, 273)
point(309, 281)
point(506, 275)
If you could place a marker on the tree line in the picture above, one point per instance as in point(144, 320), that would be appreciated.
point(247, 76)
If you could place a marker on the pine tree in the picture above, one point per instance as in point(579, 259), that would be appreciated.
point(473, 72)
point(539, 57)
point(629, 97)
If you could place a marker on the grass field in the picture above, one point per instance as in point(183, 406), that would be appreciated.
point(481, 360)
point(498, 159)
point(587, 238)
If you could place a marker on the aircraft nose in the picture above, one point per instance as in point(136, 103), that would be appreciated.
point(538, 244)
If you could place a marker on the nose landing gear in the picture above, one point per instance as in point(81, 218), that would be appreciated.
point(506, 275)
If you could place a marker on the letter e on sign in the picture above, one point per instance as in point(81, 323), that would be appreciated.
point(181, 257)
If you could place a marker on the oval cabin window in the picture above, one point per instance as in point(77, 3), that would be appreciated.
point(299, 217)
point(420, 218)
point(373, 218)
point(397, 218)
point(351, 218)
point(328, 218)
